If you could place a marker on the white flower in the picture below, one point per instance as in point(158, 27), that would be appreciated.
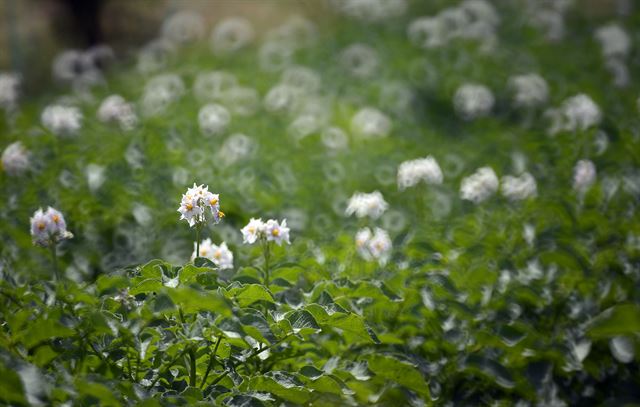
point(581, 112)
point(48, 227)
point(213, 119)
point(530, 90)
point(472, 101)
point(614, 40)
point(519, 188)
point(584, 175)
point(370, 123)
point(252, 231)
point(360, 60)
point(195, 202)
point(362, 239)
point(410, 173)
point(372, 205)
point(115, 109)
point(220, 255)
point(479, 186)
point(231, 34)
point(15, 159)
point(62, 120)
point(276, 232)
point(374, 246)
point(183, 27)
point(160, 92)
point(9, 90)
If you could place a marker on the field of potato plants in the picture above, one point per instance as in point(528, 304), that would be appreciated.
point(383, 202)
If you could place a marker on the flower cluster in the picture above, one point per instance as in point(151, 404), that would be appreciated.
point(577, 113)
point(220, 255)
point(370, 205)
point(530, 90)
point(195, 202)
point(15, 159)
point(62, 120)
point(270, 231)
point(48, 227)
point(472, 101)
point(519, 188)
point(115, 109)
point(479, 186)
point(374, 245)
point(9, 90)
point(584, 175)
point(410, 173)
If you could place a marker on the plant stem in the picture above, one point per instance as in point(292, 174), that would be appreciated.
point(212, 359)
point(54, 258)
point(197, 241)
point(267, 255)
point(192, 368)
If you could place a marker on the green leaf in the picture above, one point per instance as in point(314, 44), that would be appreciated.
point(281, 385)
point(303, 322)
point(400, 372)
point(251, 293)
point(622, 319)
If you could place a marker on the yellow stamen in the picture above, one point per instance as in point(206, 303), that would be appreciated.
point(275, 232)
point(41, 225)
point(222, 215)
point(56, 218)
point(189, 206)
point(217, 254)
point(213, 201)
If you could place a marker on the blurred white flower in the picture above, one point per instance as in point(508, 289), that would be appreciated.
point(276, 232)
point(160, 92)
point(155, 55)
point(9, 90)
point(274, 56)
point(48, 227)
point(195, 202)
point(479, 186)
point(371, 205)
point(519, 188)
point(371, 123)
point(530, 90)
point(212, 86)
point(213, 119)
point(62, 120)
point(360, 60)
point(220, 255)
point(371, 10)
point(580, 112)
point(235, 148)
point(410, 173)
point(252, 231)
point(427, 32)
point(183, 27)
point(301, 78)
point(584, 175)
point(374, 246)
point(614, 41)
point(472, 101)
point(15, 159)
point(231, 34)
point(335, 138)
point(115, 109)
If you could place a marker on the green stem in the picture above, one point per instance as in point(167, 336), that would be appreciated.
point(267, 255)
point(197, 241)
point(212, 359)
point(192, 369)
point(54, 258)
